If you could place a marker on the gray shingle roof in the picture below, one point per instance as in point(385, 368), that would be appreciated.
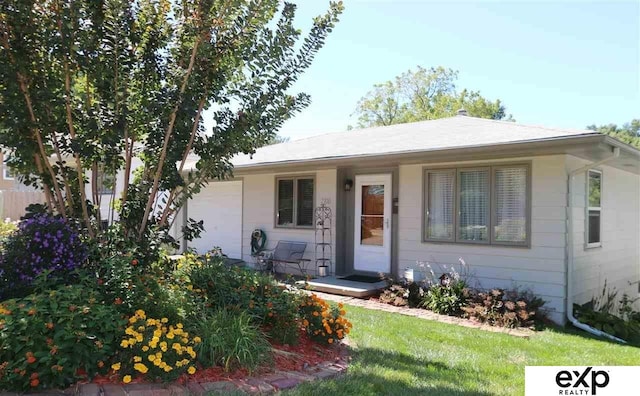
point(445, 133)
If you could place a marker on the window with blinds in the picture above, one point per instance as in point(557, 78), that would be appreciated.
point(486, 205)
point(440, 204)
point(510, 223)
point(473, 201)
point(295, 201)
point(305, 203)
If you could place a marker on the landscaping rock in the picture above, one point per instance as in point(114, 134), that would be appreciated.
point(286, 383)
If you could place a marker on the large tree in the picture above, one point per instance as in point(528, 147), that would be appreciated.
point(424, 94)
point(89, 85)
point(628, 133)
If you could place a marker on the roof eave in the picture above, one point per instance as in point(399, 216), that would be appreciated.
point(549, 146)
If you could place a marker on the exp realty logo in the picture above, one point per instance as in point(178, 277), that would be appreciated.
point(580, 380)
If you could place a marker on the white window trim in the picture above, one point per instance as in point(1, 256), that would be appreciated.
point(588, 208)
point(5, 170)
point(295, 179)
point(492, 204)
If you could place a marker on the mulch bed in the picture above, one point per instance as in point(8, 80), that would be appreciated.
point(286, 357)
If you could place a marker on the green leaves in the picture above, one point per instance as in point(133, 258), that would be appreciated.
point(424, 94)
point(100, 84)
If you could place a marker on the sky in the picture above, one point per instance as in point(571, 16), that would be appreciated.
point(559, 64)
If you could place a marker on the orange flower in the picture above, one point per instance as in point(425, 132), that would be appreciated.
point(31, 359)
point(117, 301)
point(31, 312)
point(134, 262)
point(72, 308)
point(330, 340)
point(34, 382)
point(101, 364)
point(270, 314)
point(50, 325)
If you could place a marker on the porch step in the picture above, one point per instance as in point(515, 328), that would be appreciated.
point(333, 285)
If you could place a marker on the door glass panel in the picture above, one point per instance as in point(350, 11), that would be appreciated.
point(371, 230)
point(373, 200)
point(372, 216)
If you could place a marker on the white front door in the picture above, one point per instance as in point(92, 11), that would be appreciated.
point(372, 231)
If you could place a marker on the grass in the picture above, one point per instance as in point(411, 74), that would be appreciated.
point(395, 354)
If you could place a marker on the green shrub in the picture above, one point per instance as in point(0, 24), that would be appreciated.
point(446, 299)
point(504, 308)
point(243, 290)
point(7, 228)
point(51, 339)
point(124, 282)
point(613, 316)
point(231, 340)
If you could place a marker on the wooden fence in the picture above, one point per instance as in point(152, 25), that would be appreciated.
point(13, 203)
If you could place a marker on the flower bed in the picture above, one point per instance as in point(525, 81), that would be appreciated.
point(123, 318)
point(450, 294)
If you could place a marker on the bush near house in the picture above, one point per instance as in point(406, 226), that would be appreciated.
point(612, 314)
point(450, 294)
point(132, 317)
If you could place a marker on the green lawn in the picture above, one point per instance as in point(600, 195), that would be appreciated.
point(396, 355)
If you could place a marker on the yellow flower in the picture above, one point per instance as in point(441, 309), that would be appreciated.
point(170, 335)
point(191, 370)
point(140, 313)
point(126, 379)
point(164, 320)
point(139, 337)
point(140, 367)
point(197, 339)
point(176, 346)
point(137, 359)
point(115, 366)
point(152, 358)
point(132, 320)
point(167, 368)
point(145, 348)
point(163, 346)
point(124, 344)
point(179, 325)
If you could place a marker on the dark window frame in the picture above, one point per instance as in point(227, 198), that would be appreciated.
point(295, 179)
point(492, 167)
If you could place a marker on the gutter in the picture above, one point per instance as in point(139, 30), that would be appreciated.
point(570, 248)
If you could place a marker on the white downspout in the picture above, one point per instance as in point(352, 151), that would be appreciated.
point(570, 264)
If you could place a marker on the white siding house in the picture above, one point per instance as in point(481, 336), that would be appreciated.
point(514, 180)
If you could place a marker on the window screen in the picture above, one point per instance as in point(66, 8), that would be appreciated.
point(594, 207)
point(305, 202)
point(285, 202)
point(474, 205)
point(510, 204)
point(294, 200)
point(440, 204)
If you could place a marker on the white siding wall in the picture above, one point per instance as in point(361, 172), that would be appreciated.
point(540, 268)
point(618, 260)
point(259, 212)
